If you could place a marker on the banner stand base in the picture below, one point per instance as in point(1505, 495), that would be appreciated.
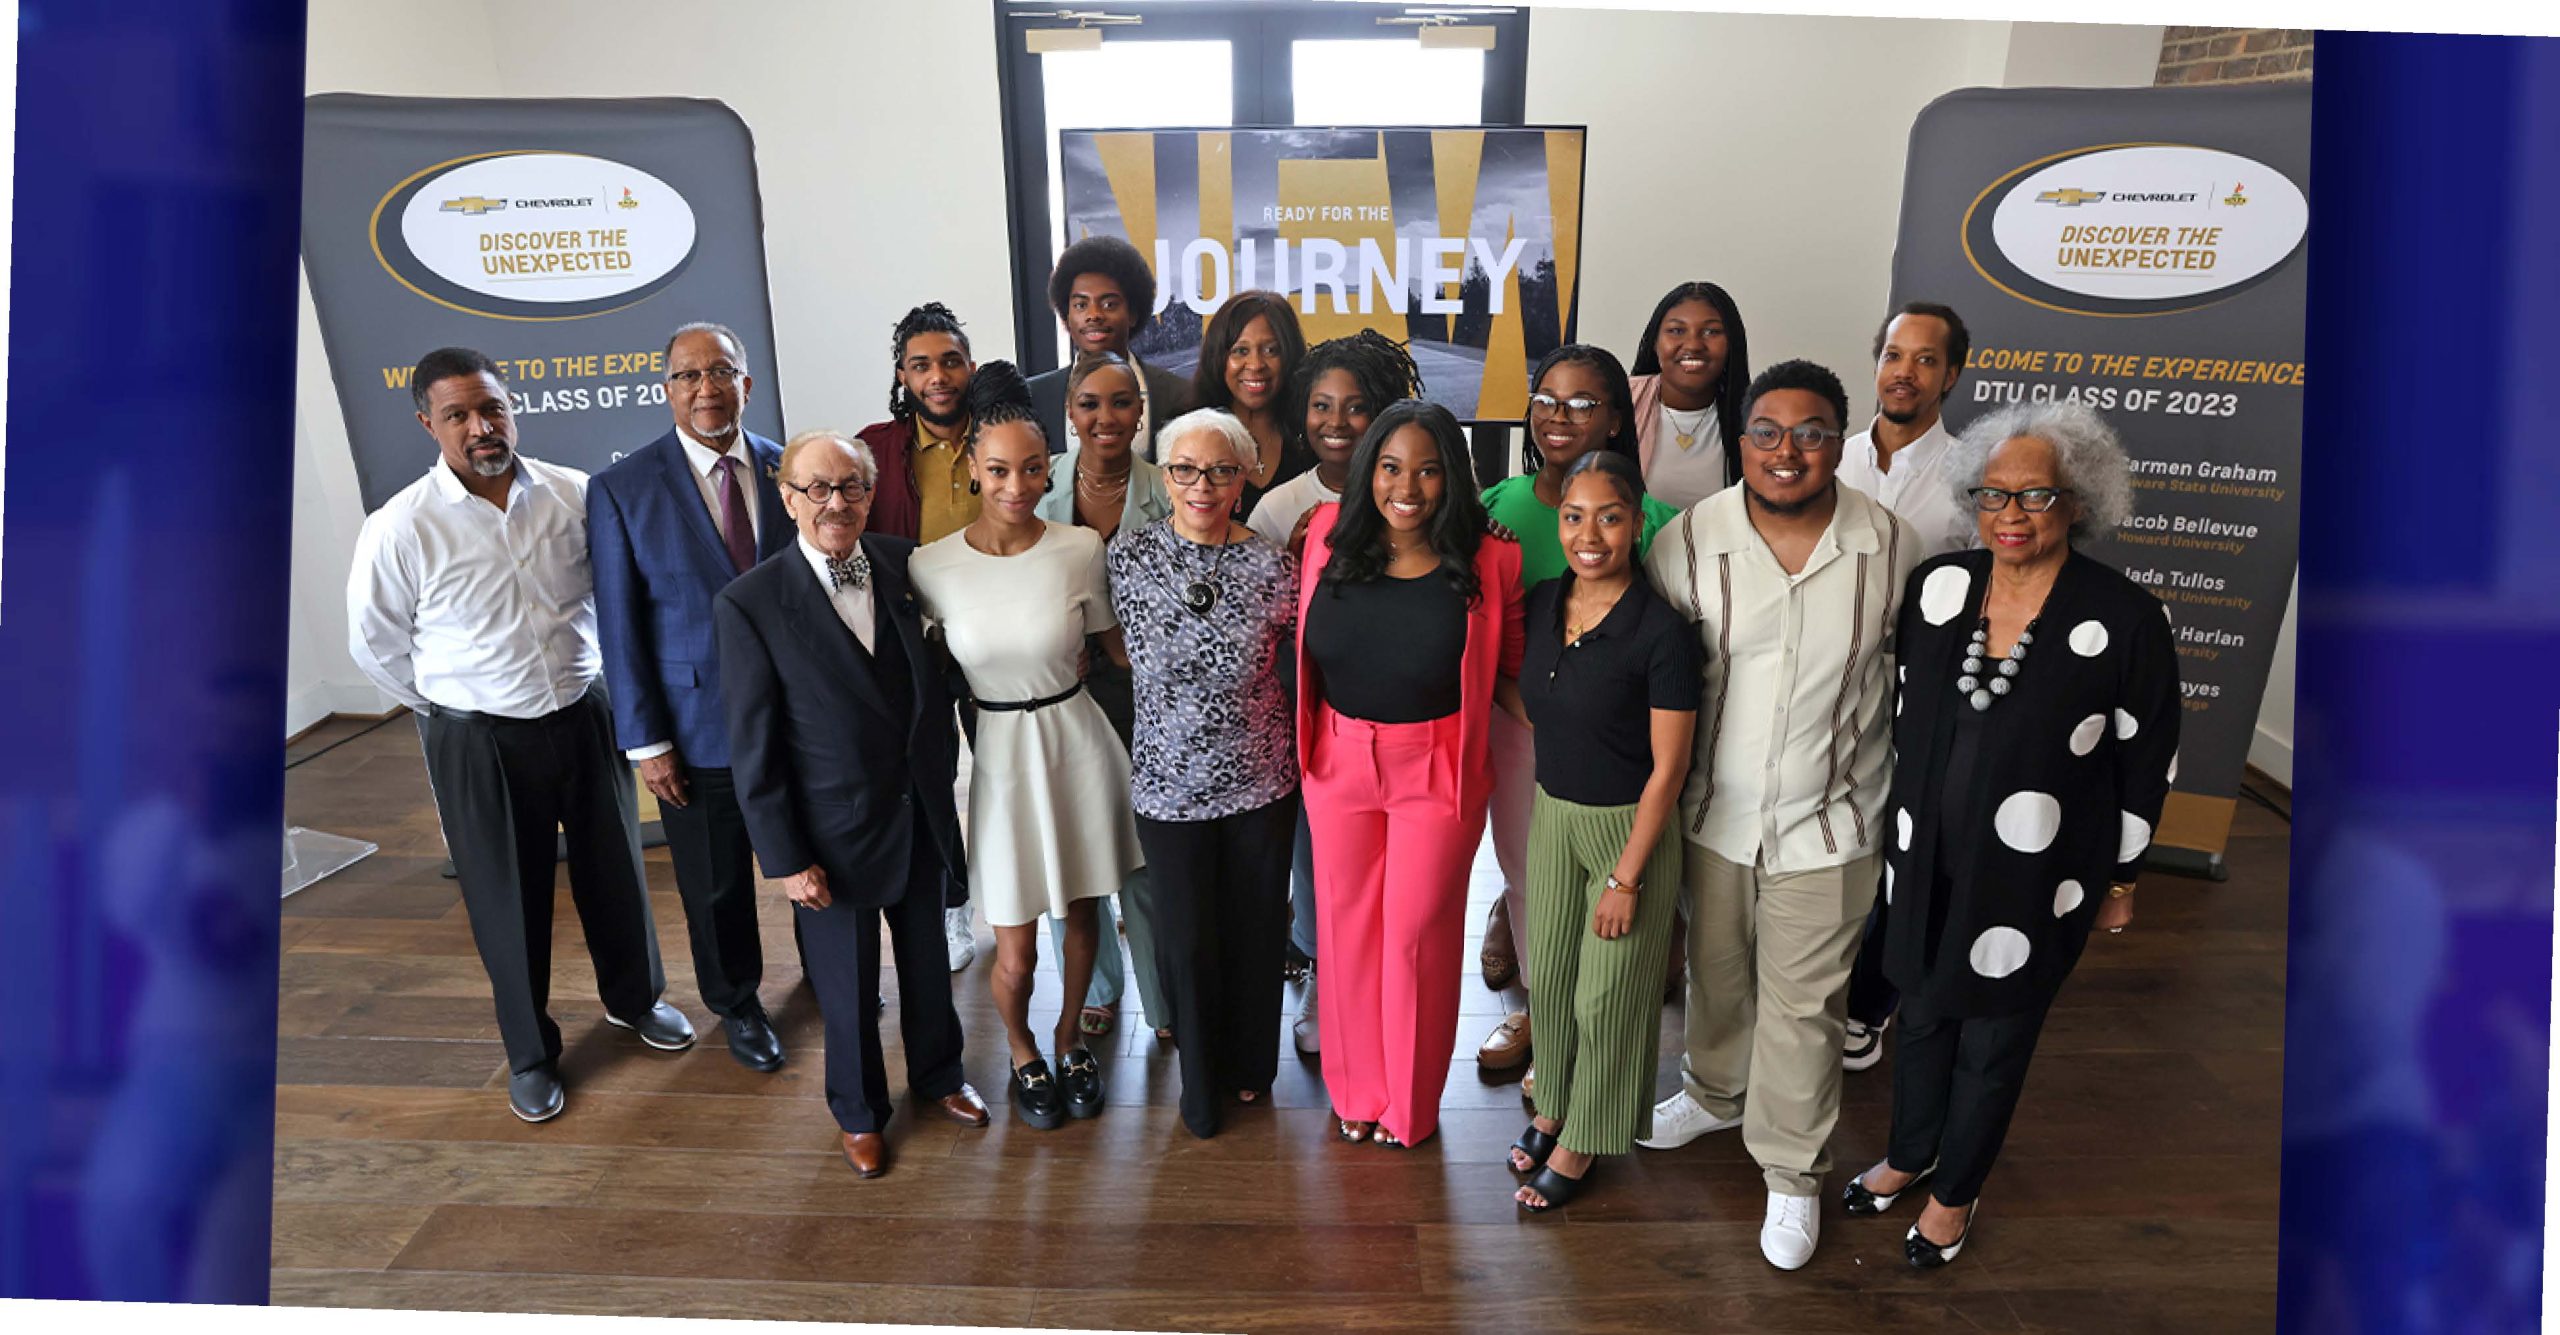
point(2193, 862)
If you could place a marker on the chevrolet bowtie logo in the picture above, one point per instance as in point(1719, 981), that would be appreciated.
point(475, 205)
point(2071, 198)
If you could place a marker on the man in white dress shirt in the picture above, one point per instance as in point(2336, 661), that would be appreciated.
point(1793, 582)
point(471, 602)
point(1901, 461)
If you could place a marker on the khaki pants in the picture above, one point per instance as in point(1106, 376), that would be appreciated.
point(1769, 960)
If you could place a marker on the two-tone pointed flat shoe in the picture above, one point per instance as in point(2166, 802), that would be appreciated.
point(1926, 1255)
point(1857, 1199)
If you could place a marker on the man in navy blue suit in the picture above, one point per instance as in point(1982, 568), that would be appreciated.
point(668, 526)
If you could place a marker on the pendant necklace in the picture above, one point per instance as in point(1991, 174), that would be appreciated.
point(1697, 421)
point(1201, 594)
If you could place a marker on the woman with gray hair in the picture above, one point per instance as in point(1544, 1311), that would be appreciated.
point(1209, 616)
point(2035, 737)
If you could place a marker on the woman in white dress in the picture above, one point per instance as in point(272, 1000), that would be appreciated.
point(1050, 828)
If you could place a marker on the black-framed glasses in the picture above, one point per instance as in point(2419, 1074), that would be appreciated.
point(2033, 500)
point(1576, 410)
point(1808, 436)
point(821, 492)
point(1219, 475)
point(723, 373)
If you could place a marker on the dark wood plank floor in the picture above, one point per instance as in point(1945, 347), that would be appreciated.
point(2138, 1191)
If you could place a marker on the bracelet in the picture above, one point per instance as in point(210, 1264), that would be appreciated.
point(1623, 887)
point(2118, 891)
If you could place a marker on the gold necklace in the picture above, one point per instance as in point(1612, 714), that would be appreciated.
point(1697, 423)
point(1573, 632)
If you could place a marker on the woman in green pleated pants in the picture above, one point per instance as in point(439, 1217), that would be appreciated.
point(1610, 684)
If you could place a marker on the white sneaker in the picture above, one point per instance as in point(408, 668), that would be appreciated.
point(1788, 1231)
point(1863, 1047)
point(1303, 1029)
point(957, 938)
point(1680, 1119)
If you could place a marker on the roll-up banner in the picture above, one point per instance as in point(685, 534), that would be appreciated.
point(2141, 250)
point(1464, 243)
point(564, 238)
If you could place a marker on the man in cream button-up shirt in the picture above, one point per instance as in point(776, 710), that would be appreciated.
point(1793, 582)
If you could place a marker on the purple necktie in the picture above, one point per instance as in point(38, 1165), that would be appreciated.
point(734, 528)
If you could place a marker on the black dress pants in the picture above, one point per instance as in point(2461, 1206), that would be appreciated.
point(503, 787)
point(840, 949)
point(1217, 892)
point(1956, 1081)
point(715, 877)
point(1871, 996)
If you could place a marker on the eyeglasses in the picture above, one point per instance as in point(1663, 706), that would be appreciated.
point(722, 374)
point(2033, 500)
point(1219, 475)
point(1575, 410)
point(1808, 436)
point(819, 493)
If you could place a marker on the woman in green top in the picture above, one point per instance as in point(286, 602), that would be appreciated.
point(1579, 403)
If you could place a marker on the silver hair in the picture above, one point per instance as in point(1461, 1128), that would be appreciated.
point(860, 452)
point(713, 328)
point(1216, 421)
point(2088, 459)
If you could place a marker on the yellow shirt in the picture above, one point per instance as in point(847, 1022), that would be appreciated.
point(946, 505)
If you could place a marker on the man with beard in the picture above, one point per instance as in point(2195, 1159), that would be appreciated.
point(923, 492)
point(924, 483)
point(1793, 583)
point(1103, 291)
point(668, 526)
point(842, 732)
point(1919, 352)
point(471, 602)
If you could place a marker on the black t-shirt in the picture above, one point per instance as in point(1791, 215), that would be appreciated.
point(1593, 700)
point(1390, 650)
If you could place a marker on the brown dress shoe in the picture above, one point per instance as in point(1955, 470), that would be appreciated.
point(964, 1107)
point(1508, 1045)
point(1499, 957)
point(867, 1152)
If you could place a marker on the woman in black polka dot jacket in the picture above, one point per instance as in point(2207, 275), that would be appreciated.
point(2035, 737)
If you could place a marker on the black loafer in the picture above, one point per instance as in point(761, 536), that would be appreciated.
point(1537, 1145)
point(1856, 1199)
point(536, 1095)
point(1036, 1099)
point(1926, 1255)
point(752, 1041)
point(1082, 1077)
point(663, 1028)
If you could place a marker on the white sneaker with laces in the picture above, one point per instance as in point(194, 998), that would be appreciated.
point(1303, 1029)
point(1680, 1119)
point(957, 938)
point(1788, 1231)
point(1862, 1047)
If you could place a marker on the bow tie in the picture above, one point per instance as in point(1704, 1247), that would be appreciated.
point(849, 571)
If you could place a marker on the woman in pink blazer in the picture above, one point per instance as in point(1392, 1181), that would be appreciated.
point(1409, 633)
point(1687, 380)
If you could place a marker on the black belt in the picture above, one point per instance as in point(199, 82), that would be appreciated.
point(1026, 706)
point(435, 710)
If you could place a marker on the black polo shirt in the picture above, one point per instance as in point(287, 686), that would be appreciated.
point(1593, 700)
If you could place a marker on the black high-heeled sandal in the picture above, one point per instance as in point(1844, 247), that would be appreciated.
point(1536, 1144)
point(1555, 1188)
point(1926, 1255)
point(1858, 1199)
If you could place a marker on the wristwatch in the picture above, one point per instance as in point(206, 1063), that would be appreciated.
point(1615, 884)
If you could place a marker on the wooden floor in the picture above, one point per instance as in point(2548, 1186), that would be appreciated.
point(2138, 1191)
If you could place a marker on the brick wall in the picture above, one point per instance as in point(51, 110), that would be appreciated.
point(2234, 55)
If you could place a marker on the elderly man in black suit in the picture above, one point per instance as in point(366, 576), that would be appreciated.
point(841, 737)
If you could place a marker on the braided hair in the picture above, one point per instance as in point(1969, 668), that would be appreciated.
point(998, 394)
point(1381, 366)
point(930, 318)
point(1730, 403)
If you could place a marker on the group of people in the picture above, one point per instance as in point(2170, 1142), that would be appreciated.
point(1262, 666)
